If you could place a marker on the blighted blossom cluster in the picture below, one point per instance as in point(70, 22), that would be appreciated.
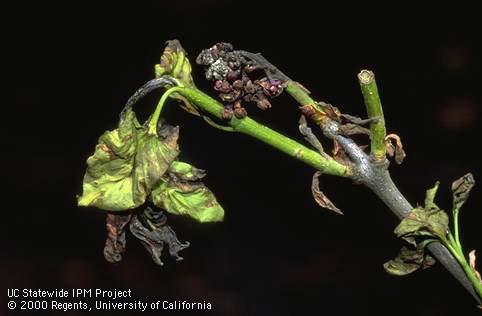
point(234, 78)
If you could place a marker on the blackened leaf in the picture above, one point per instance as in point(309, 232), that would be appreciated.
point(408, 261)
point(115, 244)
point(461, 190)
point(472, 259)
point(153, 239)
point(321, 198)
point(180, 193)
point(396, 149)
point(126, 165)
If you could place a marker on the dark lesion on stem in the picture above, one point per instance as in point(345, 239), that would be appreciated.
point(148, 87)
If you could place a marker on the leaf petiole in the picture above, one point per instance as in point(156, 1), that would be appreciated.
point(155, 116)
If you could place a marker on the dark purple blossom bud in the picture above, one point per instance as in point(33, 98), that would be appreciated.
point(227, 112)
point(233, 75)
point(222, 86)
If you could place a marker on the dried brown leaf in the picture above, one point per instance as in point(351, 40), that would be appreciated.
point(155, 237)
point(353, 129)
point(310, 137)
point(398, 147)
point(357, 120)
point(472, 259)
point(339, 154)
point(115, 243)
point(321, 198)
point(390, 148)
point(332, 112)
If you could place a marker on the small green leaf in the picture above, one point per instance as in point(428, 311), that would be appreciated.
point(430, 197)
point(175, 63)
point(180, 194)
point(408, 261)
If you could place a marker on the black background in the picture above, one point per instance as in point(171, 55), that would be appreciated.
point(276, 253)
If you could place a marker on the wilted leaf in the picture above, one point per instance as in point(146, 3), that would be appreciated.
point(353, 129)
point(321, 198)
point(395, 150)
point(430, 197)
point(332, 112)
point(419, 224)
point(309, 136)
point(174, 62)
point(339, 154)
point(180, 193)
point(390, 148)
point(461, 190)
point(153, 159)
point(408, 261)
point(430, 221)
point(154, 238)
point(108, 179)
point(126, 165)
point(472, 259)
point(115, 243)
point(359, 121)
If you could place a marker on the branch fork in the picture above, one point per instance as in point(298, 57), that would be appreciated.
point(370, 169)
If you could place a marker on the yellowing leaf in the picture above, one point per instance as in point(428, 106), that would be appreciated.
point(175, 63)
point(179, 193)
point(127, 163)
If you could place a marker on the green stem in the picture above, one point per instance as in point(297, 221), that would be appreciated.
point(157, 112)
point(301, 95)
point(456, 228)
point(459, 256)
point(373, 105)
point(252, 128)
point(374, 109)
